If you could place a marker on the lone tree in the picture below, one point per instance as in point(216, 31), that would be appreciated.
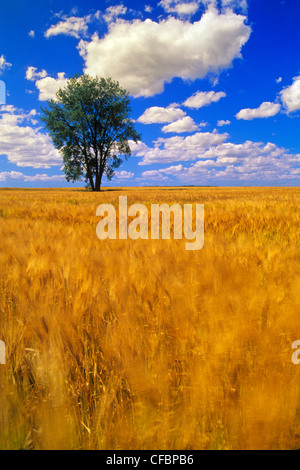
point(90, 125)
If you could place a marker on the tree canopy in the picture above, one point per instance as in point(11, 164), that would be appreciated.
point(89, 122)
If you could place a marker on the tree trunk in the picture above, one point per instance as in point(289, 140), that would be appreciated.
point(98, 183)
point(92, 183)
point(98, 178)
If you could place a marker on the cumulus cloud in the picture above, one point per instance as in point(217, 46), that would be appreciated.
point(31, 34)
point(4, 65)
point(180, 7)
point(154, 175)
point(186, 124)
point(238, 5)
point(203, 98)
point(246, 162)
point(222, 123)
point(16, 175)
point(124, 175)
point(23, 144)
point(13, 175)
point(161, 115)
point(144, 55)
point(113, 12)
point(162, 174)
point(32, 74)
point(290, 96)
point(172, 170)
point(44, 177)
point(265, 110)
point(47, 86)
point(11, 115)
point(177, 148)
point(228, 152)
point(70, 26)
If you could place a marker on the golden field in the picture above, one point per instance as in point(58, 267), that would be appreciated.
point(142, 344)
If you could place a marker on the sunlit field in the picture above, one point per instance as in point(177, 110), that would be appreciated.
point(123, 344)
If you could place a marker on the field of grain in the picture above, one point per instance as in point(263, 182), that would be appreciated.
point(123, 344)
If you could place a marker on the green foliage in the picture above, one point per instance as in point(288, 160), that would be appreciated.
point(90, 125)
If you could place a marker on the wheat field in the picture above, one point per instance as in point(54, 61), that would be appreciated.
point(123, 344)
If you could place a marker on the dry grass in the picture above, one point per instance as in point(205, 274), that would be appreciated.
point(141, 344)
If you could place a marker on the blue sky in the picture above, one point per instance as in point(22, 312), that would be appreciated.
point(215, 87)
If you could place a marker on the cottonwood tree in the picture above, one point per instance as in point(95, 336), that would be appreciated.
point(89, 122)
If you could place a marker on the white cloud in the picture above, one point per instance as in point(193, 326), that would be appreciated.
point(31, 34)
point(265, 110)
point(44, 177)
point(223, 123)
point(33, 75)
point(7, 108)
point(158, 175)
point(16, 175)
point(144, 55)
point(251, 161)
point(241, 5)
point(22, 144)
point(186, 124)
point(124, 175)
point(113, 12)
point(70, 26)
point(172, 170)
point(290, 96)
point(155, 175)
point(234, 153)
point(161, 115)
point(180, 7)
point(279, 80)
point(177, 148)
point(47, 86)
point(4, 64)
point(235, 163)
point(203, 98)
point(148, 9)
point(12, 116)
point(138, 149)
